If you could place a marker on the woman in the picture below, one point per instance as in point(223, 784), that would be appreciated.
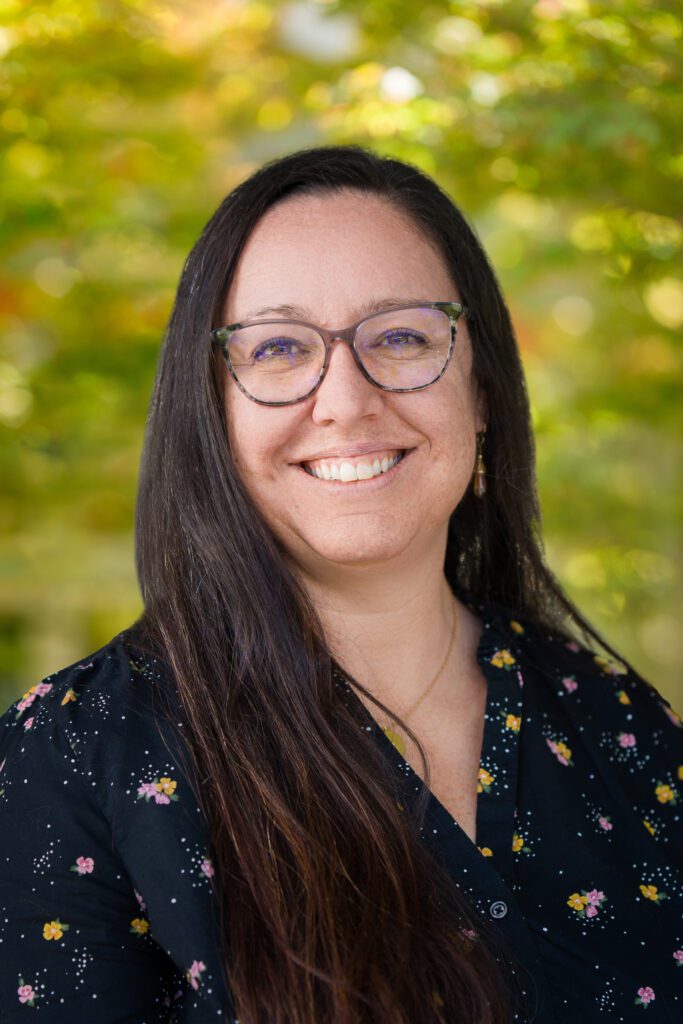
point(352, 763)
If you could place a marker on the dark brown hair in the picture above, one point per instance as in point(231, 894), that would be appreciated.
point(327, 894)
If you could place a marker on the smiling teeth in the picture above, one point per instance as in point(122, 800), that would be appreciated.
point(346, 472)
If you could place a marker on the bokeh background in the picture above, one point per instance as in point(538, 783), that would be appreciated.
point(555, 124)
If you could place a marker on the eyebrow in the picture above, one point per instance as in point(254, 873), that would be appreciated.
point(303, 313)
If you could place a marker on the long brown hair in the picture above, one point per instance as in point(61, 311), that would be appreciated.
point(332, 912)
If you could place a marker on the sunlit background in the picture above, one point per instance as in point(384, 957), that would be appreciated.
point(556, 125)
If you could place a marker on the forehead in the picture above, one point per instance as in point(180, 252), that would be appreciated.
point(335, 254)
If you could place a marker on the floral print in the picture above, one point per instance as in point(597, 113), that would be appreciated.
point(650, 892)
point(194, 973)
point(665, 793)
point(162, 790)
point(54, 929)
point(485, 781)
point(26, 993)
point(645, 996)
point(586, 904)
point(83, 865)
point(108, 880)
point(560, 750)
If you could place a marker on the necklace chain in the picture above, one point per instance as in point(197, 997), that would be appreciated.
point(438, 671)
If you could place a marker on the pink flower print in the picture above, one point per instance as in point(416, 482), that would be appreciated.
point(163, 790)
point(586, 904)
point(194, 973)
point(140, 900)
point(147, 789)
point(25, 993)
point(678, 957)
point(28, 723)
point(672, 715)
point(83, 865)
point(626, 739)
point(605, 823)
point(570, 684)
point(646, 996)
point(39, 690)
point(560, 750)
point(207, 868)
point(572, 645)
point(612, 668)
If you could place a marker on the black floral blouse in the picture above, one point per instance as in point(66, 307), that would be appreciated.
point(107, 911)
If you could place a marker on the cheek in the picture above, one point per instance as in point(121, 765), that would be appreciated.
point(257, 435)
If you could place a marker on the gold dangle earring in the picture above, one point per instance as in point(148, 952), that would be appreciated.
point(479, 475)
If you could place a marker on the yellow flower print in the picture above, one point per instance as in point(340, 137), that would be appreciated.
point(166, 785)
point(54, 929)
point(680, 771)
point(650, 892)
point(561, 751)
point(485, 781)
point(161, 790)
point(516, 626)
point(69, 695)
point(518, 844)
point(665, 793)
point(623, 697)
point(397, 740)
point(612, 668)
point(649, 827)
point(485, 851)
point(513, 722)
point(139, 926)
point(503, 659)
point(577, 902)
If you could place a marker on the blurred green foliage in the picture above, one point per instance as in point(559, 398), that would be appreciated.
point(555, 124)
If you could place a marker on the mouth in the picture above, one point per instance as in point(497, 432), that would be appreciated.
point(356, 469)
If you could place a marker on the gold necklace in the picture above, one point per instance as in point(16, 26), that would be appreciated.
point(391, 734)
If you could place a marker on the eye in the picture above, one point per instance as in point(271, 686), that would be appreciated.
point(279, 348)
point(401, 337)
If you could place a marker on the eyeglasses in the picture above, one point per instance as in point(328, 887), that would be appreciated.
point(281, 362)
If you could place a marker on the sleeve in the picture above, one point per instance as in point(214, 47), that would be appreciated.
point(73, 938)
point(637, 734)
point(107, 906)
point(647, 736)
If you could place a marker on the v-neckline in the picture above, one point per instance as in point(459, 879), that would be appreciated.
point(437, 816)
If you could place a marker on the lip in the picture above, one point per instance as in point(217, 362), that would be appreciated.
point(357, 487)
point(353, 451)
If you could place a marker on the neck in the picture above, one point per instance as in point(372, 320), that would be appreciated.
point(389, 624)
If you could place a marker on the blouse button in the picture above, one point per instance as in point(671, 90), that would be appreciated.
point(498, 909)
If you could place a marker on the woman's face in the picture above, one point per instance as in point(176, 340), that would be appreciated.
point(333, 257)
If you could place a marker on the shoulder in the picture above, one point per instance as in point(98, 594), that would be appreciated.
point(110, 718)
point(594, 681)
point(110, 684)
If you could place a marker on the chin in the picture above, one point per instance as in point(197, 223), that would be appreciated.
point(354, 548)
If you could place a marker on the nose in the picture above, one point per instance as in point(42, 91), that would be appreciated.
point(345, 396)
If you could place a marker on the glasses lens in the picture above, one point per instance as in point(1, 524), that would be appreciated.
point(277, 362)
point(405, 348)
